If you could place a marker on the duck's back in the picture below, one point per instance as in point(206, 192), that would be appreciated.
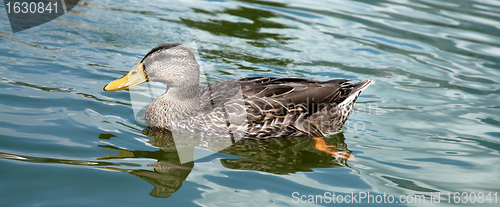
point(282, 107)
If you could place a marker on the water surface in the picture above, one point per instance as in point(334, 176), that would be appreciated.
point(430, 124)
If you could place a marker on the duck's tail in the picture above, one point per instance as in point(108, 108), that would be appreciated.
point(331, 119)
point(353, 90)
point(359, 86)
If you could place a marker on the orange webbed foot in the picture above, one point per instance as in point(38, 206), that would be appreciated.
point(329, 149)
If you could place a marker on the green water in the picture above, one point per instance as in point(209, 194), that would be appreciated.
point(429, 125)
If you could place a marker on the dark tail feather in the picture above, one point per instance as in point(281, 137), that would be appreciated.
point(359, 86)
point(330, 119)
point(355, 90)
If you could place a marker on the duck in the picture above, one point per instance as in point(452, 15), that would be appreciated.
point(247, 108)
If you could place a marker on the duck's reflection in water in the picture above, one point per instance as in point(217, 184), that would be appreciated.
point(169, 172)
point(278, 156)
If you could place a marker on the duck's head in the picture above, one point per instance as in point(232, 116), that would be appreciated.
point(171, 64)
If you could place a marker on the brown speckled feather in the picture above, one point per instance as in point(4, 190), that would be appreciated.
point(285, 107)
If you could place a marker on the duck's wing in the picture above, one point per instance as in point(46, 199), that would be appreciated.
point(262, 91)
point(277, 107)
point(286, 92)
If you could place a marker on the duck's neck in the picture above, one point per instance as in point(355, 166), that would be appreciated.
point(177, 103)
point(182, 99)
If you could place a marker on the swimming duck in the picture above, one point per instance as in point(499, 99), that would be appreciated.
point(256, 107)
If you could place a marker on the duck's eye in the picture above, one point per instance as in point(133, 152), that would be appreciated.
point(162, 57)
point(159, 58)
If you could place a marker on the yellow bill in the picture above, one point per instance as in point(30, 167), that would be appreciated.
point(135, 77)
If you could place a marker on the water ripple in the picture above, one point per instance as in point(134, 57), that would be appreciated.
point(428, 124)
